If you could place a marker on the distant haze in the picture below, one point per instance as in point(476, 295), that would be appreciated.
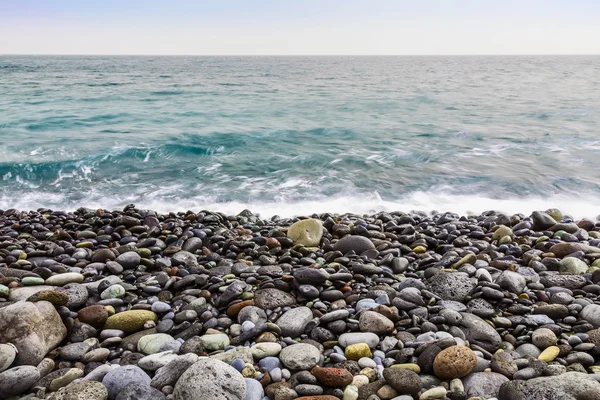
point(290, 27)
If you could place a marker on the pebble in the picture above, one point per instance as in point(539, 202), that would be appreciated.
point(318, 307)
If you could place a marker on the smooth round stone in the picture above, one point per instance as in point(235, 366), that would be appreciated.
point(151, 344)
point(160, 307)
point(269, 363)
point(365, 362)
point(113, 292)
point(119, 378)
point(358, 244)
point(275, 374)
point(300, 356)
point(549, 354)
point(434, 393)
point(238, 364)
point(357, 351)
point(543, 337)
point(293, 322)
point(98, 355)
point(74, 351)
point(4, 291)
point(64, 279)
point(129, 260)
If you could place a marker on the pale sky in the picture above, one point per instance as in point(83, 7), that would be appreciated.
point(298, 27)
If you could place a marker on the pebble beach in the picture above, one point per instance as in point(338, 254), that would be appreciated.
point(135, 304)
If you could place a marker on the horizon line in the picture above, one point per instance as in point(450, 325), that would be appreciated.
point(303, 55)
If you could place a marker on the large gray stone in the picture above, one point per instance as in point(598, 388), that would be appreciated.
point(479, 332)
point(572, 266)
point(119, 378)
point(293, 322)
point(591, 313)
point(560, 387)
point(17, 380)
point(210, 379)
point(483, 384)
point(34, 329)
point(301, 356)
point(129, 260)
point(511, 281)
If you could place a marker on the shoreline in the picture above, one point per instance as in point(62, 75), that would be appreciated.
point(392, 305)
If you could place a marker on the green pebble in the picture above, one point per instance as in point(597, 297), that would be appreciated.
point(247, 296)
point(171, 239)
point(144, 253)
point(32, 281)
point(147, 262)
point(4, 291)
point(82, 245)
point(558, 234)
point(542, 239)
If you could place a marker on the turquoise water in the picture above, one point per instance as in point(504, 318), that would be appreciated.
point(289, 135)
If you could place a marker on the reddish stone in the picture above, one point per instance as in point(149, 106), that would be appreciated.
point(234, 309)
point(95, 315)
point(272, 242)
point(335, 377)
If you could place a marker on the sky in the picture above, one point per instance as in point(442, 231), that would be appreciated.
point(299, 27)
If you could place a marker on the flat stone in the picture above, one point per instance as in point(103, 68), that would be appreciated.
point(17, 380)
point(273, 298)
point(293, 322)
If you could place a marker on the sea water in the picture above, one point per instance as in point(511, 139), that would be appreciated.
point(298, 135)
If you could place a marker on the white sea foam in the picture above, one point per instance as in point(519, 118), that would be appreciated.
point(576, 206)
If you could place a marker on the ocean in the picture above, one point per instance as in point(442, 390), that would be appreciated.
point(299, 135)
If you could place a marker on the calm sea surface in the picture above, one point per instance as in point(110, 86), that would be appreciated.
point(293, 135)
